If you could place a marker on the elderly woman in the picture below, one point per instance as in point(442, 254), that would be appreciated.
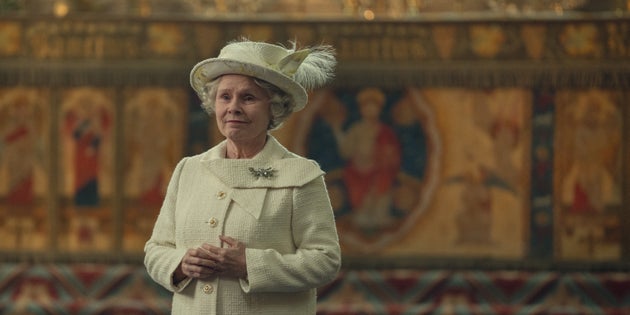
point(247, 227)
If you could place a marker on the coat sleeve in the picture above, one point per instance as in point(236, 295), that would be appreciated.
point(318, 256)
point(162, 256)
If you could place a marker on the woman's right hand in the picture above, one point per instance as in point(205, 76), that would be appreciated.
point(195, 264)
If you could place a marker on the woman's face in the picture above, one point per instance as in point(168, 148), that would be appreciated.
point(242, 109)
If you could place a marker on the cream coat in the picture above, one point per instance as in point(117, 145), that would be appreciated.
point(286, 222)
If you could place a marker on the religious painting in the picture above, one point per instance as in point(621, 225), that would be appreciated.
point(379, 149)
point(24, 168)
point(86, 137)
point(486, 174)
point(588, 176)
point(422, 171)
point(154, 139)
point(482, 202)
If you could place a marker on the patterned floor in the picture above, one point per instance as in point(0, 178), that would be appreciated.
point(127, 289)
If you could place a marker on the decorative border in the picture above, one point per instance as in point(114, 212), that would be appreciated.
point(570, 51)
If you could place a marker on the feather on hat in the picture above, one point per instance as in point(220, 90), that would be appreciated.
point(291, 70)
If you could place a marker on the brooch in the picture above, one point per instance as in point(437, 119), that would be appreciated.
point(263, 172)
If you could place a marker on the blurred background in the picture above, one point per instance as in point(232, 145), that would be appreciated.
point(498, 169)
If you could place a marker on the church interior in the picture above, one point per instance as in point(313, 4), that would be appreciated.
point(507, 192)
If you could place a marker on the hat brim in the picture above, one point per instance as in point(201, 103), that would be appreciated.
point(213, 68)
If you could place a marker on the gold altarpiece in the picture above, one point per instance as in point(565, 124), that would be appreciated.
point(510, 134)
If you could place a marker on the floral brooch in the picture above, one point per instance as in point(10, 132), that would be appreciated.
point(263, 172)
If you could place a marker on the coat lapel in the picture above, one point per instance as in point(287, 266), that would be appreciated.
point(252, 200)
point(273, 167)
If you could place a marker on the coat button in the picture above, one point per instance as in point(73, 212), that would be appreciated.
point(207, 289)
point(221, 195)
point(213, 222)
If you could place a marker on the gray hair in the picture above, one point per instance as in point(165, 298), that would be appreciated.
point(281, 103)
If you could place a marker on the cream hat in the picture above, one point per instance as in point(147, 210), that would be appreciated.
point(293, 71)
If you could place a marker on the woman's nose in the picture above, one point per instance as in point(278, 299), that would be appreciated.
point(234, 107)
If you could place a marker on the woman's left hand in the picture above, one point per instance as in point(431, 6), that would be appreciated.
point(230, 260)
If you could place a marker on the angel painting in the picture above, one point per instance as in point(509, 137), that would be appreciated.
point(490, 164)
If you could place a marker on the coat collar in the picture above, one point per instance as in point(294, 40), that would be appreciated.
point(273, 167)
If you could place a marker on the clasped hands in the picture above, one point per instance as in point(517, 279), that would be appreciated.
point(208, 260)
